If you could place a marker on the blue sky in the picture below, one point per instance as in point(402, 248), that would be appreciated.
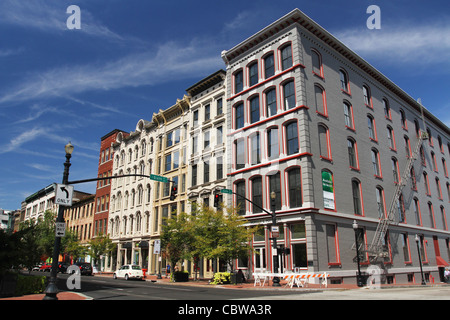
point(132, 58)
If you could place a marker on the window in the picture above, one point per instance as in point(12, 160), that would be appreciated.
point(431, 215)
point(269, 66)
point(357, 199)
point(275, 186)
point(219, 106)
point(240, 202)
point(253, 74)
point(426, 184)
point(444, 165)
point(348, 114)
point(207, 112)
point(403, 120)
point(194, 175)
point(376, 163)
point(380, 202)
point(289, 95)
point(367, 97)
point(387, 109)
point(219, 168)
point(292, 138)
point(271, 103)
point(238, 81)
point(352, 154)
point(405, 248)
point(344, 81)
point(332, 244)
point(401, 209)
point(205, 171)
point(239, 147)
point(407, 147)
point(272, 143)
point(417, 213)
point(295, 188)
point(195, 118)
point(206, 139)
point(255, 149)
point(168, 162)
point(417, 127)
point(239, 116)
point(438, 189)
point(317, 63)
point(391, 138)
point(324, 142)
point(321, 103)
point(413, 179)
point(219, 135)
point(372, 127)
point(433, 161)
point(257, 194)
point(430, 138)
point(286, 57)
point(254, 109)
point(444, 219)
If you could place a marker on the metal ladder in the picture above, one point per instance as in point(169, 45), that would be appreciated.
point(375, 249)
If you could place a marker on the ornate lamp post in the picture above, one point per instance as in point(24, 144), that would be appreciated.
point(359, 280)
point(276, 280)
point(52, 290)
point(420, 259)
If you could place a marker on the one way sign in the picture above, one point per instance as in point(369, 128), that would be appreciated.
point(64, 194)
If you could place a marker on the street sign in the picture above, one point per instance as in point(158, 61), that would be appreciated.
point(275, 231)
point(63, 195)
point(226, 191)
point(158, 178)
point(60, 229)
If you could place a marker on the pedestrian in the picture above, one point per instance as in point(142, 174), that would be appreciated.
point(447, 275)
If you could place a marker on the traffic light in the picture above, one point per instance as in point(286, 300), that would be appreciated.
point(173, 192)
point(216, 200)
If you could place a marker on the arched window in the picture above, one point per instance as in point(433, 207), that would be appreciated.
point(345, 86)
point(291, 130)
point(324, 142)
point(367, 96)
point(376, 162)
point(240, 202)
point(372, 127)
point(387, 109)
point(321, 101)
point(380, 202)
point(269, 65)
point(254, 109)
point(257, 194)
point(286, 57)
point(317, 67)
point(253, 74)
point(348, 114)
point(271, 102)
point(239, 116)
point(238, 81)
point(294, 187)
point(357, 197)
point(273, 150)
point(352, 153)
point(275, 186)
point(289, 95)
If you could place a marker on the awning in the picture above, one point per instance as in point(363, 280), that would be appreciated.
point(441, 262)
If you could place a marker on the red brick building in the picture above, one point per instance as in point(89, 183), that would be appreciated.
point(102, 195)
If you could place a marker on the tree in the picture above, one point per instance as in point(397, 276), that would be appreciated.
point(99, 246)
point(177, 237)
point(206, 233)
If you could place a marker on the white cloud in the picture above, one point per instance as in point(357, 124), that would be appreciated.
point(403, 43)
point(50, 16)
point(168, 61)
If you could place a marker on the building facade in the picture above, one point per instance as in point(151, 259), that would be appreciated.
point(296, 98)
point(207, 150)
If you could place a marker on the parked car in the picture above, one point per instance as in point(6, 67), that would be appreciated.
point(36, 267)
point(129, 271)
point(85, 268)
point(45, 267)
point(62, 267)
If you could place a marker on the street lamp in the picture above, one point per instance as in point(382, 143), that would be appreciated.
point(359, 280)
point(276, 279)
point(420, 259)
point(52, 290)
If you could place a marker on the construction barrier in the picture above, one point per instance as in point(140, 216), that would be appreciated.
point(298, 279)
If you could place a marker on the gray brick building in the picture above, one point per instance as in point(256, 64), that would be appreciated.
point(315, 123)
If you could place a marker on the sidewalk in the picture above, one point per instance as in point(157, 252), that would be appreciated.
point(249, 285)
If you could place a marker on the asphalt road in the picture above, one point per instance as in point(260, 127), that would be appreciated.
point(105, 288)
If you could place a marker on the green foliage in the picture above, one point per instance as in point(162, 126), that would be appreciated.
point(221, 278)
point(100, 245)
point(30, 284)
point(206, 233)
